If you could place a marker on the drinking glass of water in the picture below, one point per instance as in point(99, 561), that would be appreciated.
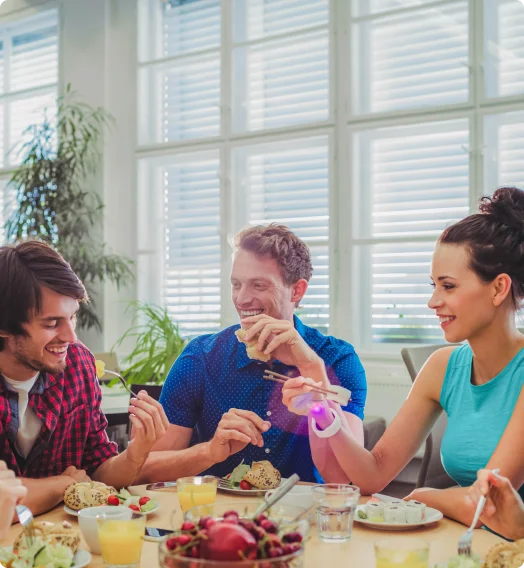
point(335, 504)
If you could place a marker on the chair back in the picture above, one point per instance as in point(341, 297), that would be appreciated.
point(152, 390)
point(432, 472)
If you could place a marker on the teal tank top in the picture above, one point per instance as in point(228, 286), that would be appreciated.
point(477, 414)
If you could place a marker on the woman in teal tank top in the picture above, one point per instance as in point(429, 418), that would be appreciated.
point(477, 272)
point(474, 409)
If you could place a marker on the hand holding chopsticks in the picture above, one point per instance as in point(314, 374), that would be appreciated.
point(334, 392)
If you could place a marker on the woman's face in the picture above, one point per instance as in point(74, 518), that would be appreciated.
point(462, 301)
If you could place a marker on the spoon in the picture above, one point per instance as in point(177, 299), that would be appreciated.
point(278, 494)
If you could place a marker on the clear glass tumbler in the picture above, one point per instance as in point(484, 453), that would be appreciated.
point(335, 510)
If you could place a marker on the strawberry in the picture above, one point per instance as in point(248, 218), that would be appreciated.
point(143, 500)
point(113, 500)
point(134, 507)
point(245, 485)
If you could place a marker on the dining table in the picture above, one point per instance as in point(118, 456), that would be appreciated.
point(358, 552)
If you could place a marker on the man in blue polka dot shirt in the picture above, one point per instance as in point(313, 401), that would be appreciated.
point(221, 410)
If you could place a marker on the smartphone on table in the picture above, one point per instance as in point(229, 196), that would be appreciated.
point(153, 534)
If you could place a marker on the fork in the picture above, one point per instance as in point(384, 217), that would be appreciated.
point(26, 520)
point(122, 380)
point(464, 544)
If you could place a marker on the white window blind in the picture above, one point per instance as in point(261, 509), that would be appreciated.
point(280, 80)
point(504, 153)
point(415, 184)
point(29, 78)
point(504, 48)
point(266, 83)
point(416, 58)
point(288, 183)
point(179, 75)
point(192, 244)
point(190, 26)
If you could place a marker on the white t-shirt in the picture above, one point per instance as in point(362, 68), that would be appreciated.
point(29, 425)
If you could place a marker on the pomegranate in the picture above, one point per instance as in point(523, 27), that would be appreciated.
point(227, 541)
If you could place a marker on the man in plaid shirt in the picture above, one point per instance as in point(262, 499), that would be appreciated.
point(52, 431)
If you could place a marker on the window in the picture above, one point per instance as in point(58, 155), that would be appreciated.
point(409, 58)
point(28, 86)
point(418, 177)
point(367, 126)
point(288, 183)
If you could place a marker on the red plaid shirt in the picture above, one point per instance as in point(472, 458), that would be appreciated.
point(73, 426)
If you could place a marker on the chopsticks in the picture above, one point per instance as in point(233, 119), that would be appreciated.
point(277, 378)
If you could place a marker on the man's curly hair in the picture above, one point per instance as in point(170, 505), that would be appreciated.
point(280, 243)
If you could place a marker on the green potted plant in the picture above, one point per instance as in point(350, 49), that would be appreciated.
point(56, 200)
point(157, 343)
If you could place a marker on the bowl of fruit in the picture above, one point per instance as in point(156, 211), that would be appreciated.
point(228, 535)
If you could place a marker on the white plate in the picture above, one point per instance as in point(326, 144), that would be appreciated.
point(80, 559)
point(70, 511)
point(431, 516)
point(247, 492)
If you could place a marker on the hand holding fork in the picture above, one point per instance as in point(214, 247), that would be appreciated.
point(464, 544)
point(11, 493)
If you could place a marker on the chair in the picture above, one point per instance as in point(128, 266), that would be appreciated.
point(152, 390)
point(432, 473)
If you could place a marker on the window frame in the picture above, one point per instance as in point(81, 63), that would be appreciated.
point(342, 122)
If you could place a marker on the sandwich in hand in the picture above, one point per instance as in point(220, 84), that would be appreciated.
point(252, 349)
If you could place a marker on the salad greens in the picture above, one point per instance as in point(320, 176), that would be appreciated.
point(236, 476)
point(462, 561)
point(40, 554)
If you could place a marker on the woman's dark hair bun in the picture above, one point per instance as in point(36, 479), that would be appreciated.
point(506, 206)
point(495, 238)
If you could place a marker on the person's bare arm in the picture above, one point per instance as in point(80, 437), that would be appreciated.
point(150, 424)
point(172, 457)
point(45, 493)
point(373, 470)
point(323, 456)
point(235, 431)
point(508, 456)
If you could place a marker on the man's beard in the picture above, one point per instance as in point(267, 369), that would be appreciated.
point(34, 364)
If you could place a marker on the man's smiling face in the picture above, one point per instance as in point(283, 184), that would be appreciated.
point(257, 286)
point(49, 334)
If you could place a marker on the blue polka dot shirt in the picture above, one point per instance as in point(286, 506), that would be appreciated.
point(214, 374)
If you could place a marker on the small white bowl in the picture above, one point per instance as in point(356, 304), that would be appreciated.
point(298, 496)
point(87, 520)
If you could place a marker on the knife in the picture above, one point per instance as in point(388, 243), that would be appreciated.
point(160, 485)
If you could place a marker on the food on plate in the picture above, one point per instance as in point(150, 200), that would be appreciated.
point(251, 346)
point(134, 502)
point(462, 561)
point(52, 533)
point(233, 538)
point(394, 511)
point(40, 554)
point(261, 475)
point(87, 494)
point(505, 555)
point(54, 547)
point(91, 493)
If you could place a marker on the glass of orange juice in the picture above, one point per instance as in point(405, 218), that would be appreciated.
point(197, 490)
point(121, 540)
point(405, 553)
